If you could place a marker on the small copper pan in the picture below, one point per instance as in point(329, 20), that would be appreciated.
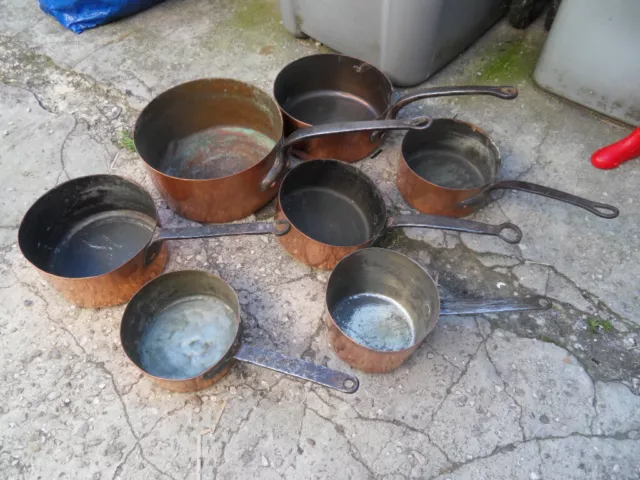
point(183, 330)
point(382, 306)
point(208, 145)
point(328, 88)
point(452, 168)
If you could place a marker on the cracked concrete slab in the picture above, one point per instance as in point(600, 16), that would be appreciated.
point(538, 395)
point(552, 389)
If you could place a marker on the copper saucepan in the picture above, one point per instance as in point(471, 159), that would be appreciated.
point(452, 169)
point(96, 239)
point(382, 306)
point(208, 144)
point(183, 330)
point(327, 88)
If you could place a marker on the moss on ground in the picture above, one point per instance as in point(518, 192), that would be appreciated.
point(511, 61)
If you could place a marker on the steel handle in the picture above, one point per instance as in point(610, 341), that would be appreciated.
point(508, 232)
point(280, 163)
point(614, 155)
point(278, 227)
point(600, 209)
point(296, 367)
point(505, 93)
point(474, 307)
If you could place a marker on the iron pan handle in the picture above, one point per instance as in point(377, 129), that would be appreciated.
point(474, 307)
point(457, 224)
point(505, 93)
point(600, 209)
point(298, 368)
point(278, 228)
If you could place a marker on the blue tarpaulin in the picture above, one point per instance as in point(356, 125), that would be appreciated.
point(79, 15)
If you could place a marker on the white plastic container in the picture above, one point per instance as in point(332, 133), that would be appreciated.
point(409, 40)
point(592, 57)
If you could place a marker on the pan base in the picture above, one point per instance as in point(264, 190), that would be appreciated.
point(329, 106)
point(188, 337)
point(101, 243)
point(215, 153)
point(327, 216)
point(447, 169)
point(375, 321)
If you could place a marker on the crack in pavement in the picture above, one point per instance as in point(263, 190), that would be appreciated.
point(512, 446)
point(353, 451)
point(505, 385)
point(391, 421)
point(64, 142)
point(456, 382)
point(100, 366)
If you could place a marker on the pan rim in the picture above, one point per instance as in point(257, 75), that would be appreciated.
point(44, 196)
point(474, 128)
point(206, 81)
point(228, 354)
point(351, 168)
point(336, 55)
point(391, 253)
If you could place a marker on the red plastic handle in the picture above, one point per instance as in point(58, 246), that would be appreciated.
point(615, 155)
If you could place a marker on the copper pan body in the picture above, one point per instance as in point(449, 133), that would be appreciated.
point(311, 252)
point(429, 198)
point(150, 298)
point(335, 72)
point(380, 271)
point(363, 358)
point(207, 145)
point(113, 288)
point(303, 247)
point(64, 236)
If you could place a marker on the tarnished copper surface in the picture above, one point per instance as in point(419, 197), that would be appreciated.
point(113, 288)
point(208, 108)
point(192, 384)
point(361, 357)
point(217, 200)
point(429, 198)
point(313, 253)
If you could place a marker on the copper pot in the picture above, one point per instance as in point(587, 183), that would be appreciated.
point(183, 330)
point(333, 209)
point(96, 239)
point(208, 144)
point(382, 306)
point(328, 88)
point(451, 170)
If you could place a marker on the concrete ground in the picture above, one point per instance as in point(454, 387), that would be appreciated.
point(551, 395)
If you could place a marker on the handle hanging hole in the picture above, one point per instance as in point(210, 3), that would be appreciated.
point(510, 233)
point(281, 227)
point(544, 303)
point(605, 211)
point(350, 385)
